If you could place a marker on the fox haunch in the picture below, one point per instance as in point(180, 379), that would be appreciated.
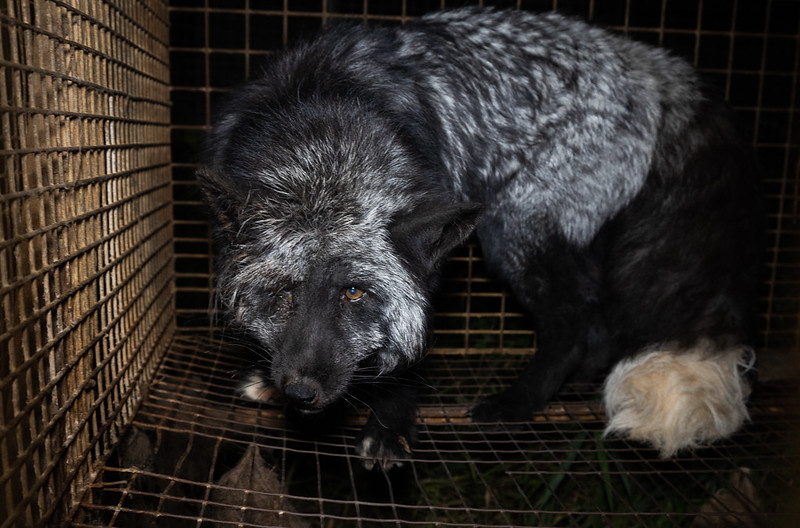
point(609, 193)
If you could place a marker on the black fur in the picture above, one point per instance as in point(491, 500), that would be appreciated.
point(609, 193)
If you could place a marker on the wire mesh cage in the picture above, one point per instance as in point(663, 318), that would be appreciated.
point(117, 387)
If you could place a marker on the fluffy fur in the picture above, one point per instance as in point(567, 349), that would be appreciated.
point(611, 195)
point(676, 399)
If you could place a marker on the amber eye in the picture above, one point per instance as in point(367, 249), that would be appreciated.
point(353, 294)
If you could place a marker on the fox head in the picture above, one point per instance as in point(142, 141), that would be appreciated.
point(330, 232)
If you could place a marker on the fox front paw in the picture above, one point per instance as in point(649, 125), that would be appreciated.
point(382, 446)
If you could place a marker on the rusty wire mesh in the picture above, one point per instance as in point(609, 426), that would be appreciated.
point(91, 293)
point(182, 463)
point(86, 291)
point(746, 51)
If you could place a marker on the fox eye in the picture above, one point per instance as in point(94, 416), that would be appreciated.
point(353, 294)
point(283, 295)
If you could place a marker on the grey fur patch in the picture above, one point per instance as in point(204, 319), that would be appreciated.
point(592, 104)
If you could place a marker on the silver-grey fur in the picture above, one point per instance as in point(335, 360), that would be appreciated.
point(359, 159)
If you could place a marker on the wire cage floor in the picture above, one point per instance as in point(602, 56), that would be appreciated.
point(197, 455)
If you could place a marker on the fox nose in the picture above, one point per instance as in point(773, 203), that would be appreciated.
point(302, 392)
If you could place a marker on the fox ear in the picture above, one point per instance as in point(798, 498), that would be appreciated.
point(224, 200)
point(428, 233)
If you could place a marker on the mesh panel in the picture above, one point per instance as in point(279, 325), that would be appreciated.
point(185, 463)
point(86, 291)
point(746, 51)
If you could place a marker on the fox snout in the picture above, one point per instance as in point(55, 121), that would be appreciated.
point(303, 393)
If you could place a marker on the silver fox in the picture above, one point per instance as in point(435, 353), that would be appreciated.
point(610, 194)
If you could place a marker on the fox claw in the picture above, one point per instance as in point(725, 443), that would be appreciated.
point(383, 447)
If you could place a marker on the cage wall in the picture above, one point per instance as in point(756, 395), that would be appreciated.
point(86, 268)
point(747, 51)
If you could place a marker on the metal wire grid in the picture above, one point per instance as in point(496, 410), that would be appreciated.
point(555, 471)
point(748, 51)
point(86, 272)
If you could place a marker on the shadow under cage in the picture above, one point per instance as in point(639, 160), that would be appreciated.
point(117, 385)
